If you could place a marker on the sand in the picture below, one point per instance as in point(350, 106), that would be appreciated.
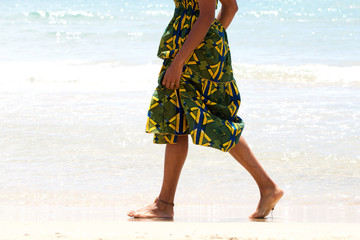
point(176, 230)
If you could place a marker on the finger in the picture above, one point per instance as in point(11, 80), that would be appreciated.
point(177, 85)
point(167, 85)
point(171, 85)
point(164, 81)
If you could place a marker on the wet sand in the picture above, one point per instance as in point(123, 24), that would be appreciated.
point(176, 230)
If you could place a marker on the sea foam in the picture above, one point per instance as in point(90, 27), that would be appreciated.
point(116, 75)
point(308, 73)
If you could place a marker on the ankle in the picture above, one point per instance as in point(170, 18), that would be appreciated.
point(268, 189)
point(166, 197)
point(163, 204)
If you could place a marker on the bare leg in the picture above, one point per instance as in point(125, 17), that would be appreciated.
point(270, 193)
point(175, 156)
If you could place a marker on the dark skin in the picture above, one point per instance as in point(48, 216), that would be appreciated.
point(175, 154)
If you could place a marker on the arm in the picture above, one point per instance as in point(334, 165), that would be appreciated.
point(227, 12)
point(195, 37)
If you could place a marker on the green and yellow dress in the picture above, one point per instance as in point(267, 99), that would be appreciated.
point(207, 101)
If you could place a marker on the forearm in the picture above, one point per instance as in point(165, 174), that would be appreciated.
point(227, 13)
point(195, 37)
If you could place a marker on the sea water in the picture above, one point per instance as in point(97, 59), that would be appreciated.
point(76, 78)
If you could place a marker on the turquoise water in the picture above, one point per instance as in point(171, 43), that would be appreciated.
point(77, 76)
point(263, 32)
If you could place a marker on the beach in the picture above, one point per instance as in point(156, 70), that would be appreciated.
point(76, 80)
point(176, 230)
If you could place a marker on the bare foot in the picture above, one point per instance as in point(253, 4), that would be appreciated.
point(157, 209)
point(267, 202)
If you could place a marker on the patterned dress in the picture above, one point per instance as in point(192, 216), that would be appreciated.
point(207, 101)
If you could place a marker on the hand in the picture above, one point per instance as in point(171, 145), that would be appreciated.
point(172, 76)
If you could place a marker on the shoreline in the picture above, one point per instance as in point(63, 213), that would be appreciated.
point(176, 230)
point(284, 213)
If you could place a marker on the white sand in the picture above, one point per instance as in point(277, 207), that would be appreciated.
point(175, 230)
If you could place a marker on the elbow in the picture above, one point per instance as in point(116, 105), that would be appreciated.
point(234, 7)
point(230, 7)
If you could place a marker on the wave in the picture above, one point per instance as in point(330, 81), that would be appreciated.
point(66, 15)
point(118, 75)
point(78, 75)
point(158, 13)
point(308, 73)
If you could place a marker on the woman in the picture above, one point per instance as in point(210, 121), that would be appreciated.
point(197, 95)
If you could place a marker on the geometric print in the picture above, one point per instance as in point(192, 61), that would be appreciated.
point(207, 101)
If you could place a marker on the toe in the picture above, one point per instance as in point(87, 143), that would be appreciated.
point(256, 215)
point(253, 216)
point(131, 213)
